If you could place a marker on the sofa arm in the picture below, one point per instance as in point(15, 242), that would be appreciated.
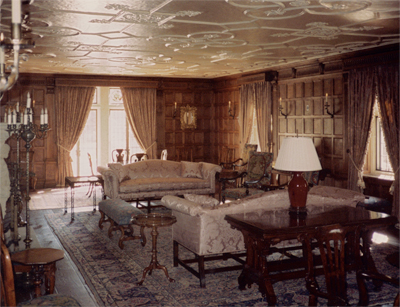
point(111, 182)
point(182, 205)
point(209, 171)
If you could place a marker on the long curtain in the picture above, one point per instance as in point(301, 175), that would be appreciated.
point(263, 105)
point(247, 93)
point(360, 110)
point(140, 108)
point(387, 82)
point(72, 110)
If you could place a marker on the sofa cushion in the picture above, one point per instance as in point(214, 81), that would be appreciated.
point(204, 200)
point(120, 170)
point(154, 168)
point(336, 193)
point(162, 184)
point(191, 170)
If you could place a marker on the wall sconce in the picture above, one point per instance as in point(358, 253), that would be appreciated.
point(174, 115)
point(230, 110)
point(281, 108)
point(327, 106)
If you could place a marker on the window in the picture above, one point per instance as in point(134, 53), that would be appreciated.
point(254, 132)
point(106, 129)
point(377, 162)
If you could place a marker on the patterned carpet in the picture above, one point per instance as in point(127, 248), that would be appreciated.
point(112, 273)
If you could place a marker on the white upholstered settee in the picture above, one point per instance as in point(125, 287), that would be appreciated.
point(153, 179)
point(203, 230)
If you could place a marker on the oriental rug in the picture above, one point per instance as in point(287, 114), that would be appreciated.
point(112, 273)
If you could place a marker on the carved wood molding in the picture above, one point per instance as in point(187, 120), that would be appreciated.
point(370, 60)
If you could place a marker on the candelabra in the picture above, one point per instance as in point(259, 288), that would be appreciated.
point(21, 126)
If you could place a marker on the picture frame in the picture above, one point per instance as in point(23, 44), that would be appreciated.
point(188, 117)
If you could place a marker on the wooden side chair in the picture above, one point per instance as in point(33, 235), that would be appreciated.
point(256, 179)
point(333, 242)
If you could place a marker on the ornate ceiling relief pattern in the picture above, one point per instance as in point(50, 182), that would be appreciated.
point(203, 39)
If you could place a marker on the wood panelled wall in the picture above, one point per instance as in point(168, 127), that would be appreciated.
point(302, 89)
point(197, 93)
point(303, 103)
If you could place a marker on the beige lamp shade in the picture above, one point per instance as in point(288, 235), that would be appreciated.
point(297, 154)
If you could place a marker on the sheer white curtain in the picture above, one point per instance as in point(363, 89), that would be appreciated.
point(140, 108)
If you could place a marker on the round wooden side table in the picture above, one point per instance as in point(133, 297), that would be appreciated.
point(41, 262)
point(154, 220)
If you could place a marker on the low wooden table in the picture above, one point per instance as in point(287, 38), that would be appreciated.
point(78, 181)
point(262, 229)
point(41, 262)
point(154, 220)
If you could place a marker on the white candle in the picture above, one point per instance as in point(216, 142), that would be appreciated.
point(5, 117)
point(16, 11)
point(25, 119)
point(17, 107)
point(326, 97)
point(280, 101)
point(2, 56)
point(14, 117)
point(28, 101)
point(42, 117)
point(229, 104)
point(9, 117)
point(46, 117)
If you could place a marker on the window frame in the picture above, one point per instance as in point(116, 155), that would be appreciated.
point(371, 161)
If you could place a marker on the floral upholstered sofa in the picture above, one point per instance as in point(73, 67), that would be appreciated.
point(153, 179)
point(202, 229)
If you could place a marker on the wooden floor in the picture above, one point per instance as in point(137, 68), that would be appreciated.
point(68, 279)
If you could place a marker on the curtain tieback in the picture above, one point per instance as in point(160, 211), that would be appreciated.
point(63, 147)
point(150, 146)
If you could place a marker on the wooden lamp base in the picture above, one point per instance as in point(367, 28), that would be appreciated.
point(298, 189)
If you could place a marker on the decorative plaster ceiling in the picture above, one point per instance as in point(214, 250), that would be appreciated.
point(199, 39)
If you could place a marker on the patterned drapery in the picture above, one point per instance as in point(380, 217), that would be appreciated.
point(387, 81)
point(140, 108)
point(364, 84)
point(72, 110)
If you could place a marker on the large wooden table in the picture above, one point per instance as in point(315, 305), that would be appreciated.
point(264, 229)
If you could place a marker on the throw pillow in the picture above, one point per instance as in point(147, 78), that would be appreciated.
point(120, 170)
point(204, 200)
point(191, 169)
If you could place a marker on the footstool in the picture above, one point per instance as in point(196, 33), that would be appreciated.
point(119, 214)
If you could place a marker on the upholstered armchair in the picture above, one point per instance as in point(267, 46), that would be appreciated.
point(256, 179)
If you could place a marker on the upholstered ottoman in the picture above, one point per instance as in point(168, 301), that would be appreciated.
point(119, 214)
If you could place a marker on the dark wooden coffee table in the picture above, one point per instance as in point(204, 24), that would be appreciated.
point(154, 220)
point(79, 181)
point(263, 229)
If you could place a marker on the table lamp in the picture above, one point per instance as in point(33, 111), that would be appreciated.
point(297, 155)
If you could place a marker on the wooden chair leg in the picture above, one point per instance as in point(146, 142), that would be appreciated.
point(202, 273)
point(176, 253)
